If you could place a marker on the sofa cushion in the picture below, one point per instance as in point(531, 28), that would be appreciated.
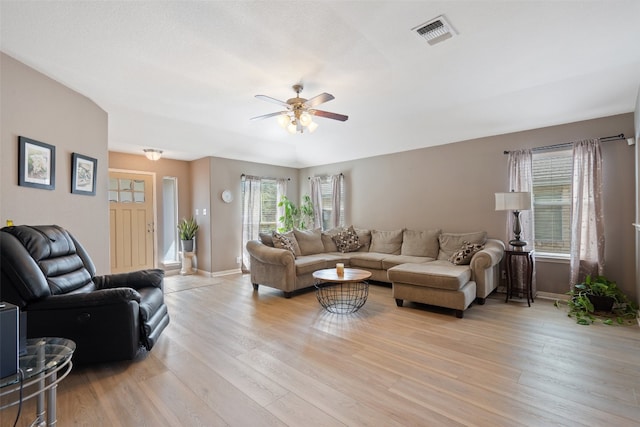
point(310, 241)
point(420, 243)
point(392, 260)
point(463, 255)
point(371, 260)
point(452, 242)
point(266, 239)
point(364, 236)
point(386, 242)
point(310, 263)
point(436, 274)
point(327, 239)
point(347, 240)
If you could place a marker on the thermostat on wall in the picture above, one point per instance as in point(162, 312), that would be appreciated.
point(227, 197)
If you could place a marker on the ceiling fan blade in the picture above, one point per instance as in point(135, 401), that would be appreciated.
point(317, 100)
point(328, 115)
point(272, 100)
point(266, 116)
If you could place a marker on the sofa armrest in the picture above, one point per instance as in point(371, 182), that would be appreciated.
point(268, 255)
point(489, 256)
point(135, 280)
point(485, 267)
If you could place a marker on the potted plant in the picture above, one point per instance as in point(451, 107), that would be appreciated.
point(296, 217)
point(187, 229)
point(599, 297)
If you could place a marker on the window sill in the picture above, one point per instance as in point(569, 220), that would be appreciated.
point(552, 258)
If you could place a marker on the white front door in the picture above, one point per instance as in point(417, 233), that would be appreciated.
point(131, 221)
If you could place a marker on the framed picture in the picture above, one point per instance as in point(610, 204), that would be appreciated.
point(83, 174)
point(36, 164)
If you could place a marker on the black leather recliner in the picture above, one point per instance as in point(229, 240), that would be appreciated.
point(50, 276)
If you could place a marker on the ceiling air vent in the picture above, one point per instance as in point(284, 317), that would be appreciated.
point(436, 30)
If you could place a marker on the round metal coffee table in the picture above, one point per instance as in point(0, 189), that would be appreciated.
point(342, 294)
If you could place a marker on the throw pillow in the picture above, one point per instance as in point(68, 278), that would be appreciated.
point(386, 242)
point(310, 241)
point(347, 240)
point(465, 253)
point(281, 241)
point(452, 242)
point(294, 243)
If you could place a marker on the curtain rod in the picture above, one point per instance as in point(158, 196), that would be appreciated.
point(265, 177)
point(325, 176)
point(568, 144)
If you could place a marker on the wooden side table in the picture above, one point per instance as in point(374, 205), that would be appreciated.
point(526, 287)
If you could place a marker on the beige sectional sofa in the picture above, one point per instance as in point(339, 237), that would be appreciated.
point(420, 260)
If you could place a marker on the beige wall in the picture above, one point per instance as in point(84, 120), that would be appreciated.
point(452, 187)
point(225, 220)
point(162, 168)
point(40, 108)
point(637, 181)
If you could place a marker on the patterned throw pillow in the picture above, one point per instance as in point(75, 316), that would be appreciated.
point(347, 240)
point(281, 241)
point(465, 253)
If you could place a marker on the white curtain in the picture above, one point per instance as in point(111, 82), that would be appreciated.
point(521, 179)
point(281, 190)
point(316, 199)
point(336, 194)
point(251, 212)
point(587, 222)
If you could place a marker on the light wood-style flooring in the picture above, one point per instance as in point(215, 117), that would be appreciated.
point(231, 356)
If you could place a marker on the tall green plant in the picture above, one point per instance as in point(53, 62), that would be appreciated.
point(187, 228)
point(296, 217)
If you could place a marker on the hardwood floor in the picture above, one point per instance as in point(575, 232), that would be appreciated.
point(231, 356)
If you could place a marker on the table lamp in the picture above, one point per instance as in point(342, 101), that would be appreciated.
point(515, 201)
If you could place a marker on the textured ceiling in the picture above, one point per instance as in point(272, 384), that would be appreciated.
point(181, 76)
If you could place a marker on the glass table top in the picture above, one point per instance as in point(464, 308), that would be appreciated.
point(42, 355)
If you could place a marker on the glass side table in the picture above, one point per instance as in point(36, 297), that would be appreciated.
point(46, 363)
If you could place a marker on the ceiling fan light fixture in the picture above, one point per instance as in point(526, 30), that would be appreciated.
point(284, 120)
point(305, 119)
point(152, 154)
point(292, 128)
point(312, 127)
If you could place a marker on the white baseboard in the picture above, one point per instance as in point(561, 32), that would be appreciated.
point(551, 295)
point(221, 273)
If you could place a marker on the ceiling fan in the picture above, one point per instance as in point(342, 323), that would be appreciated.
point(299, 113)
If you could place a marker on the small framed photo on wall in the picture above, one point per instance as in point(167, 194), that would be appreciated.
point(83, 174)
point(36, 164)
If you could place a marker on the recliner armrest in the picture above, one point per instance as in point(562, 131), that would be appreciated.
point(100, 297)
point(135, 280)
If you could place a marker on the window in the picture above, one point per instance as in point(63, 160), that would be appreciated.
point(268, 206)
point(326, 201)
point(552, 173)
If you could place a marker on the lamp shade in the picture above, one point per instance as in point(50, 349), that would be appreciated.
point(513, 201)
